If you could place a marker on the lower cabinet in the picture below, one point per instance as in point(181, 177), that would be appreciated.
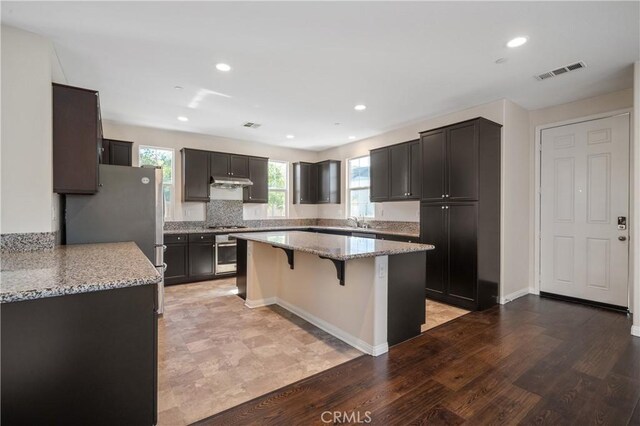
point(201, 255)
point(452, 274)
point(176, 256)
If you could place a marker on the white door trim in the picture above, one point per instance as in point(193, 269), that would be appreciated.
point(538, 183)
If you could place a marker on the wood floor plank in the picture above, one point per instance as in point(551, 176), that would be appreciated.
point(532, 361)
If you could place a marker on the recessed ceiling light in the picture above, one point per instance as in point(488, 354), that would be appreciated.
point(290, 136)
point(360, 107)
point(178, 87)
point(223, 67)
point(518, 41)
point(183, 118)
point(352, 137)
point(501, 60)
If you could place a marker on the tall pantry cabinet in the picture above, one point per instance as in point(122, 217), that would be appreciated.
point(460, 212)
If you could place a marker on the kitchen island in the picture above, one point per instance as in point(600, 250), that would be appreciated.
point(368, 293)
point(79, 336)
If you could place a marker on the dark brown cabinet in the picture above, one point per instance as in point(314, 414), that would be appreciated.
point(223, 164)
point(117, 153)
point(305, 185)
point(176, 256)
point(450, 163)
point(316, 183)
point(200, 167)
point(77, 140)
point(460, 212)
point(201, 252)
point(195, 175)
point(379, 174)
point(328, 182)
point(395, 172)
point(259, 175)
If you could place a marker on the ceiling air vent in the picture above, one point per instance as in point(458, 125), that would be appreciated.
point(252, 125)
point(561, 70)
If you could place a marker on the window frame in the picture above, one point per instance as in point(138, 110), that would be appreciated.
point(284, 190)
point(169, 207)
point(350, 188)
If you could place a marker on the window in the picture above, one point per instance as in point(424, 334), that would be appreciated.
point(358, 188)
point(277, 206)
point(163, 157)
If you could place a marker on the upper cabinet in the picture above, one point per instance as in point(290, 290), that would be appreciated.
point(305, 183)
point(379, 172)
point(395, 172)
point(316, 183)
point(231, 165)
point(195, 175)
point(77, 140)
point(200, 167)
point(116, 153)
point(450, 163)
point(259, 175)
point(328, 182)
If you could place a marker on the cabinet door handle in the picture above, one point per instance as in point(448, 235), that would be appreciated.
point(447, 195)
point(442, 195)
point(442, 207)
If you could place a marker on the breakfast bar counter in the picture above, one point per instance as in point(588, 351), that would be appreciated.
point(368, 293)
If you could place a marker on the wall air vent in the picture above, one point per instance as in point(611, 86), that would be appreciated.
point(561, 70)
point(252, 125)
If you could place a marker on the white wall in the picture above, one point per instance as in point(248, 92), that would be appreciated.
point(177, 140)
point(635, 223)
point(28, 201)
point(613, 101)
point(515, 241)
point(404, 210)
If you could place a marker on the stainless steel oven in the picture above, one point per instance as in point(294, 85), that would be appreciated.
point(225, 254)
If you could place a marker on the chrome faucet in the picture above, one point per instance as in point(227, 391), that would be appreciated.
point(360, 223)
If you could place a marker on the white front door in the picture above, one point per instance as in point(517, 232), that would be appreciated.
point(584, 192)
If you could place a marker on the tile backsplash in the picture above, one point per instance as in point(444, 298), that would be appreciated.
point(224, 213)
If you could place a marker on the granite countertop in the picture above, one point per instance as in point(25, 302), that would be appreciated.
point(285, 228)
point(338, 247)
point(72, 269)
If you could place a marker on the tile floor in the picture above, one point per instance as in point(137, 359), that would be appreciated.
point(439, 313)
point(214, 353)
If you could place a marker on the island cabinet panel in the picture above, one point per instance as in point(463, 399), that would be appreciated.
point(462, 161)
point(405, 296)
point(195, 175)
point(259, 175)
point(176, 257)
point(77, 140)
point(81, 359)
point(379, 174)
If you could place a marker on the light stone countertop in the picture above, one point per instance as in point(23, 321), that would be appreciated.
point(286, 228)
point(71, 269)
point(336, 247)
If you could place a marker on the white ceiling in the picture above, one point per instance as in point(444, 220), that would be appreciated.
point(300, 67)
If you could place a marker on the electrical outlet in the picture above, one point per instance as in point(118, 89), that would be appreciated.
point(382, 271)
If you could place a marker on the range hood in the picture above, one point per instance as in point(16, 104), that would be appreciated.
point(230, 182)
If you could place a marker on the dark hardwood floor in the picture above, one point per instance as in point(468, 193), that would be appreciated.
point(532, 361)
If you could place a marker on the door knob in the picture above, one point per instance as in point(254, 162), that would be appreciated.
point(622, 238)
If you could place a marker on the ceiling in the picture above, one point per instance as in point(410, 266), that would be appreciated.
point(299, 68)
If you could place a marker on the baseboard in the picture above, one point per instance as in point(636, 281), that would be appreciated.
point(513, 296)
point(334, 331)
point(258, 303)
point(635, 330)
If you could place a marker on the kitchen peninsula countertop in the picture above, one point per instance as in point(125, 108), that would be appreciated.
point(336, 247)
point(202, 230)
point(71, 269)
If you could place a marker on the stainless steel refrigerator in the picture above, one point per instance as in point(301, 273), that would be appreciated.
point(129, 206)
